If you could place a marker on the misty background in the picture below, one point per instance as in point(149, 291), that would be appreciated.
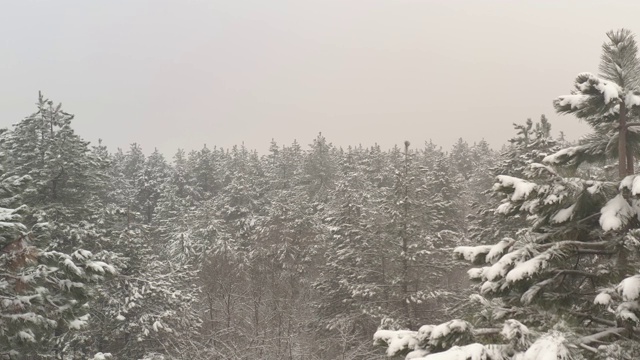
point(179, 74)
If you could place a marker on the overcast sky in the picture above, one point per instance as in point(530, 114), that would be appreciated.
point(180, 73)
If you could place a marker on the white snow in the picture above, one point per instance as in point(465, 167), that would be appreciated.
point(632, 100)
point(396, 340)
point(627, 182)
point(627, 311)
point(476, 273)
point(71, 266)
point(615, 213)
point(515, 330)
point(101, 267)
point(498, 249)
point(521, 188)
point(629, 288)
point(157, 325)
point(468, 352)
point(609, 90)
point(550, 346)
point(554, 158)
point(78, 323)
point(530, 205)
point(424, 333)
point(445, 329)
point(602, 299)
point(417, 354)
point(489, 286)
point(551, 199)
point(101, 356)
point(631, 182)
point(470, 253)
point(504, 208)
point(499, 269)
point(26, 335)
point(549, 169)
point(82, 254)
point(528, 268)
point(563, 215)
point(576, 101)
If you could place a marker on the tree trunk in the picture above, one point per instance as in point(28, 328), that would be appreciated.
point(623, 169)
point(630, 165)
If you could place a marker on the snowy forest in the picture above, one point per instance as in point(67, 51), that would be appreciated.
point(313, 251)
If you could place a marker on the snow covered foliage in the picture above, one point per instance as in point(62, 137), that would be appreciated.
point(456, 339)
point(43, 293)
point(607, 102)
point(147, 302)
point(521, 159)
point(570, 273)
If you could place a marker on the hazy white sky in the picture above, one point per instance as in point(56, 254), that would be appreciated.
point(180, 73)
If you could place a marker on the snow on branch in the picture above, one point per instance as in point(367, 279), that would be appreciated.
point(587, 87)
point(472, 253)
point(615, 213)
point(562, 156)
point(529, 268)
point(574, 101)
point(629, 288)
point(521, 188)
point(632, 183)
point(484, 253)
point(552, 345)
point(426, 343)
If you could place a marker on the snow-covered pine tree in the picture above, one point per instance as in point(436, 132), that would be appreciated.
point(532, 143)
point(154, 174)
point(44, 293)
point(205, 171)
point(353, 285)
point(320, 168)
point(569, 288)
point(408, 239)
point(149, 306)
point(284, 244)
point(461, 158)
point(177, 222)
point(609, 103)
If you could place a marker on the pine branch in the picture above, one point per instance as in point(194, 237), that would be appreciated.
point(593, 318)
point(601, 335)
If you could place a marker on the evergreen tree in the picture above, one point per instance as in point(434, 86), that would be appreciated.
point(353, 282)
point(44, 292)
point(567, 286)
point(608, 103)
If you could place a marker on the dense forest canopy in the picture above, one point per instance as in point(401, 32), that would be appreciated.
point(311, 251)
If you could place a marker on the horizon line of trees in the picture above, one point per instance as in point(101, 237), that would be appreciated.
point(225, 254)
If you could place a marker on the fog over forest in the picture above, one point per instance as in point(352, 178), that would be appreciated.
point(524, 250)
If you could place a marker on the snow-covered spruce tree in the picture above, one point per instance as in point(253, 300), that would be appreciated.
point(44, 293)
point(177, 222)
point(150, 306)
point(65, 174)
point(609, 103)
point(569, 288)
point(320, 168)
point(441, 189)
point(147, 306)
point(408, 239)
point(205, 166)
point(154, 175)
point(532, 143)
point(353, 293)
